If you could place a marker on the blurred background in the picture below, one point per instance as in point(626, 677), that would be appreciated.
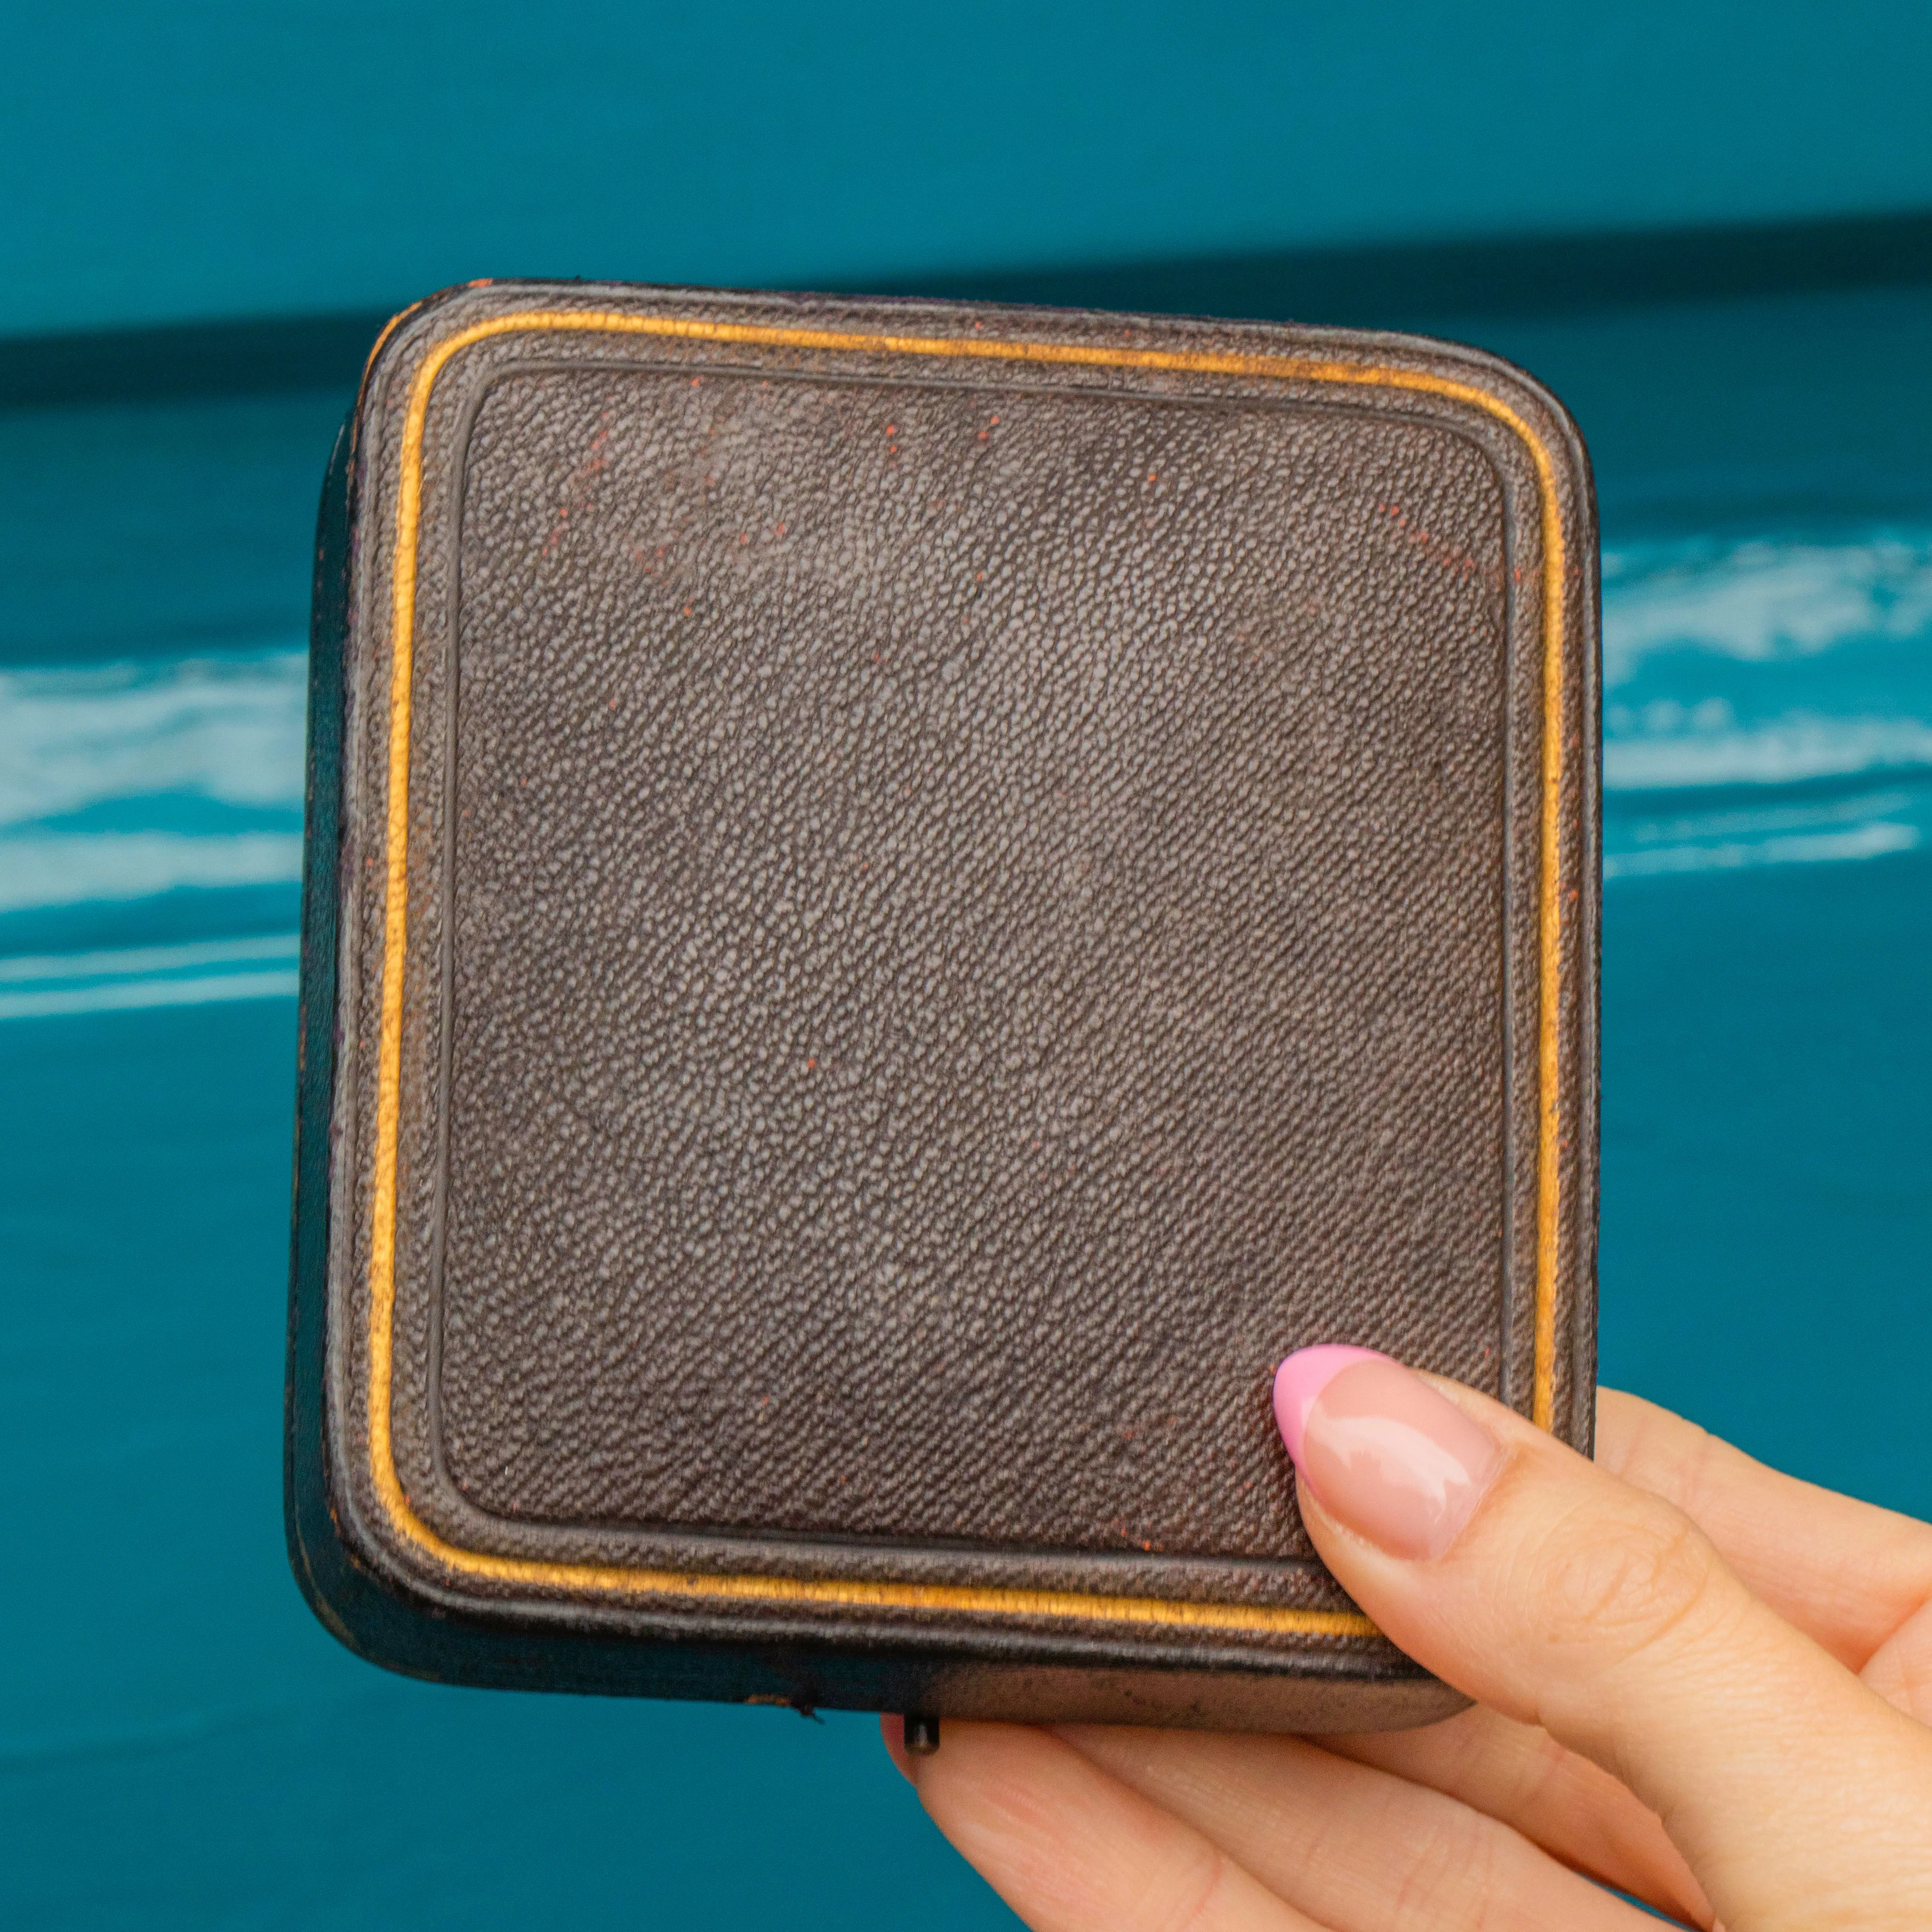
point(1706, 223)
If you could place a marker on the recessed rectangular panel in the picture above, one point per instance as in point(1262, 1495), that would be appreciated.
point(972, 931)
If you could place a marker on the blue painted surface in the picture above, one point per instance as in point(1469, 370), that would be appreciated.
point(181, 1746)
point(162, 161)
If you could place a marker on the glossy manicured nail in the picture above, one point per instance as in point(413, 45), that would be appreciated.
point(1383, 1452)
point(1301, 1378)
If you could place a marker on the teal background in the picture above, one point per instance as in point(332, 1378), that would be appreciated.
point(183, 159)
point(181, 1745)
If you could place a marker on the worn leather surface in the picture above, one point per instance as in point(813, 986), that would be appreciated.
point(956, 914)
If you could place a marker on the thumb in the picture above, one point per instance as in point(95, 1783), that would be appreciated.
point(1539, 1584)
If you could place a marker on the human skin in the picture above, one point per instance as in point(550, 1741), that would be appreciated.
point(1701, 1682)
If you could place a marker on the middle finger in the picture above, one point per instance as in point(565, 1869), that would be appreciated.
point(1352, 1846)
point(1574, 1809)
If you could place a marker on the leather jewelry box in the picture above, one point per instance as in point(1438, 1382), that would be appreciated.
point(901, 898)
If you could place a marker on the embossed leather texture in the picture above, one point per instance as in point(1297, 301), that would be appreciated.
point(901, 899)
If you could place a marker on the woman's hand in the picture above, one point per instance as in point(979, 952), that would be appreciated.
point(1701, 1682)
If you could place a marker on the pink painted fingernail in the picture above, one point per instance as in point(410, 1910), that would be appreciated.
point(1301, 1378)
point(1383, 1452)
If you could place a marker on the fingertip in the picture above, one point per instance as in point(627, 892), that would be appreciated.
point(1395, 1460)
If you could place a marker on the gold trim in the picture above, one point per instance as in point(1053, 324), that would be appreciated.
point(382, 1244)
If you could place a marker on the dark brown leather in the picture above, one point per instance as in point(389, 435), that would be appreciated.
point(959, 902)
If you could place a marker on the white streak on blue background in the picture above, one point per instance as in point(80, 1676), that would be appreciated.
point(39, 987)
point(228, 730)
point(1766, 703)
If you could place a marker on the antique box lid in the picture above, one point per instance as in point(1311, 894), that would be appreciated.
point(902, 897)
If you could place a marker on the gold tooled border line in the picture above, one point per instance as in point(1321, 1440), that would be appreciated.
point(638, 1582)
